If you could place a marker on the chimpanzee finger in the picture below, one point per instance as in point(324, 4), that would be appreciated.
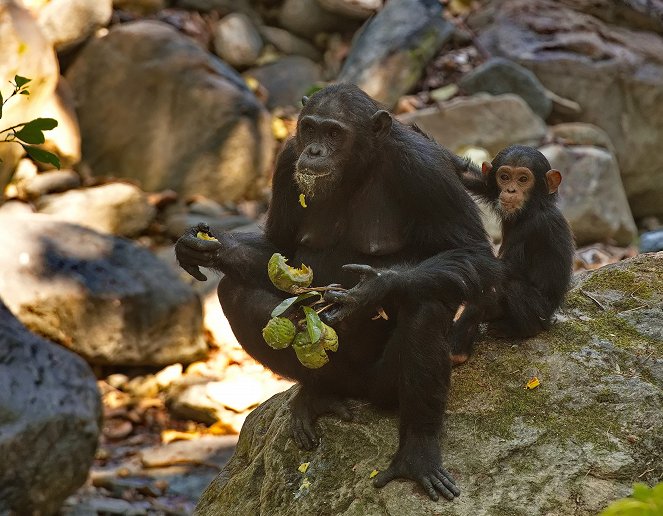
point(194, 271)
point(359, 268)
point(201, 227)
point(385, 477)
point(199, 244)
point(338, 296)
point(441, 488)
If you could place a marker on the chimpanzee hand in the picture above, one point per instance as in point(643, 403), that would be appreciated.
point(193, 252)
point(374, 285)
point(419, 460)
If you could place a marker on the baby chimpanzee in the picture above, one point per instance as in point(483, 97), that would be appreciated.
point(536, 251)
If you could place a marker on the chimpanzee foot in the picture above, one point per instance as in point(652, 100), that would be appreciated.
point(306, 407)
point(419, 460)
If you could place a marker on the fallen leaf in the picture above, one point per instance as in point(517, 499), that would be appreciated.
point(533, 383)
point(303, 467)
point(302, 201)
point(305, 484)
point(373, 474)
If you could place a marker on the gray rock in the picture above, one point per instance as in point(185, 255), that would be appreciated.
point(140, 7)
point(237, 40)
point(290, 44)
point(116, 208)
point(390, 53)
point(50, 420)
point(68, 22)
point(214, 5)
point(512, 450)
point(591, 195)
point(18, 29)
point(482, 120)
point(307, 18)
point(287, 79)
point(53, 181)
point(195, 126)
point(578, 133)
point(614, 73)
point(360, 9)
point(13, 208)
point(106, 298)
point(498, 75)
point(651, 241)
point(638, 14)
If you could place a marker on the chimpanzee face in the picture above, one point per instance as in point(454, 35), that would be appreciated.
point(515, 185)
point(326, 145)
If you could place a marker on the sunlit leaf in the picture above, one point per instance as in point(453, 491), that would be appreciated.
point(373, 474)
point(284, 305)
point(303, 467)
point(302, 200)
point(21, 81)
point(533, 383)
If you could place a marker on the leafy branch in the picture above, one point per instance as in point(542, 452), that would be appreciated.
point(28, 134)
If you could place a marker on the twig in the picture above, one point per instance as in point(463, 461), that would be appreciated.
point(645, 472)
point(324, 308)
point(592, 298)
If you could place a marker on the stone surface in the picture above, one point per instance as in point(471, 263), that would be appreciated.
point(591, 195)
point(360, 9)
point(578, 133)
point(195, 126)
point(68, 22)
point(106, 298)
point(290, 44)
point(237, 40)
point(287, 79)
point(498, 75)
point(388, 56)
point(140, 7)
point(568, 447)
point(209, 449)
point(651, 241)
point(482, 120)
point(50, 418)
point(614, 73)
point(52, 181)
point(26, 52)
point(65, 139)
point(116, 208)
point(308, 18)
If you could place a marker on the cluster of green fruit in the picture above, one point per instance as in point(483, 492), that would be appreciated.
point(310, 337)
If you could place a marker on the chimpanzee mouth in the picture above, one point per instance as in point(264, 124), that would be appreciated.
point(313, 173)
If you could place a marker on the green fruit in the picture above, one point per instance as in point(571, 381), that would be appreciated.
point(279, 332)
point(329, 338)
point(310, 355)
point(288, 278)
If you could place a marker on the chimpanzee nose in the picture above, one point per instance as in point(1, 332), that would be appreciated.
point(314, 150)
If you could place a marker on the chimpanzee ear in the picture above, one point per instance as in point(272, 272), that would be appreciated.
point(486, 167)
point(304, 100)
point(381, 121)
point(553, 178)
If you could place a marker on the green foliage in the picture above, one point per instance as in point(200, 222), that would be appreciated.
point(644, 501)
point(284, 305)
point(28, 134)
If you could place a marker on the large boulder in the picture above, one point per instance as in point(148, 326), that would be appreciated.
point(237, 40)
point(50, 419)
point(169, 114)
point(68, 22)
point(614, 73)
point(567, 447)
point(591, 195)
point(308, 18)
point(390, 53)
point(108, 299)
point(490, 122)
point(25, 52)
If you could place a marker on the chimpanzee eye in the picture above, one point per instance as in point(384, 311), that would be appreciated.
point(332, 133)
point(523, 179)
point(504, 177)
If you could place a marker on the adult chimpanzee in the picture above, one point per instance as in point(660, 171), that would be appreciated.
point(536, 251)
point(383, 196)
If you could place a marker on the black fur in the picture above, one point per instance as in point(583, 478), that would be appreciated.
point(399, 208)
point(536, 255)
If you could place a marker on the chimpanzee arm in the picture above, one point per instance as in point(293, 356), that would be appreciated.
point(244, 256)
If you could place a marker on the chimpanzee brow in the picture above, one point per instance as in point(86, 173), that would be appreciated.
point(326, 123)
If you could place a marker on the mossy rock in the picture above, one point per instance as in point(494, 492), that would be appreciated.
point(568, 447)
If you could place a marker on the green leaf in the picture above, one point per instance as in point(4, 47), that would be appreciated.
point(42, 155)
point(25, 92)
point(44, 124)
point(32, 131)
point(1, 101)
point(287, 303)
point(314, 325)
point(21, 81)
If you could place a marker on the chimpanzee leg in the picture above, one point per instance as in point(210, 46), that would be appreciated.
point(417, 355)
point(248, 309)
point(521, 312)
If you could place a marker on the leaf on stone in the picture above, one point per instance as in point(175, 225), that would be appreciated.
point(284, 305)
point(533, 383)
point(42, 155)
point(302, 200)
point(373, 474)
point(314, 325)
point(303, 467)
